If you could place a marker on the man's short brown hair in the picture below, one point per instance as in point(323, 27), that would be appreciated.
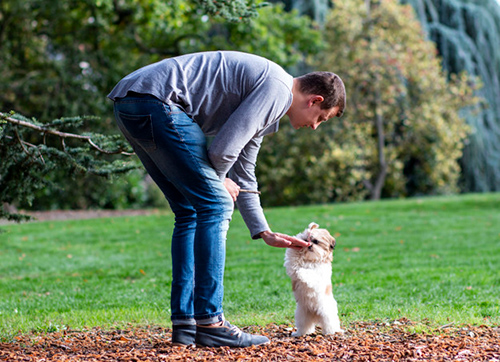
point(326, 84)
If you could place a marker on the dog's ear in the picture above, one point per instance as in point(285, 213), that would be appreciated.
point(333, 242)
point(313, 225)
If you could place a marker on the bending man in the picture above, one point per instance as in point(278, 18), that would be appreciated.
point(167, 110)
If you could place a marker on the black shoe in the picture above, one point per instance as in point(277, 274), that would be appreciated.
point(183, 335)
point(227, 335)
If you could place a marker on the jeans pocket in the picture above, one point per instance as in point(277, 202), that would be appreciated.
point(140, 128)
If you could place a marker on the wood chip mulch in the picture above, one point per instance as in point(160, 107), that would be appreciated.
point(361, 342)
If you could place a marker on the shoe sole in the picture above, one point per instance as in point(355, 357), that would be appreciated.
point(253, 345)
point(178, 344)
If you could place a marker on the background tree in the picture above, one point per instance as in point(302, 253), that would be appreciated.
point(55, 52)
point(315, 9)
point(467, 34)
point(401, 134)
point(61, 58)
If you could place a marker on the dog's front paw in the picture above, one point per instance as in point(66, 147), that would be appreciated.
point(297, 334)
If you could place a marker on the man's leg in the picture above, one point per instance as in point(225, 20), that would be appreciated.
point(176, 150)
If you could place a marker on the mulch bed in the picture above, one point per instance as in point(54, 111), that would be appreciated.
point(361, 342)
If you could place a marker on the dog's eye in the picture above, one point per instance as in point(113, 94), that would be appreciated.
point(314, 241)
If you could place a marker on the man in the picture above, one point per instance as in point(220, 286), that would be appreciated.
point(167, 110)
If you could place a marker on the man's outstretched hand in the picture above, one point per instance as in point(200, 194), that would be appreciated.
point(279, 240)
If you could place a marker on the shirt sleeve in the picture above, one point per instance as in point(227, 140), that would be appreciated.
point(264, 105)
point(243, 173)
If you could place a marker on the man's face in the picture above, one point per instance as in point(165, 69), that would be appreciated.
point(312, 116)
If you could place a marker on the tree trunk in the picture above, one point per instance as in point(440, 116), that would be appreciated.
point(376, 190)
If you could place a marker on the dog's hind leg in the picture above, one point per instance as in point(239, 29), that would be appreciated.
point(304, 321)
point(330, 325)
point(329, 319)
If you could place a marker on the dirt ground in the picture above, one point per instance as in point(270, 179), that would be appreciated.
point(87, 214)
point(83, 214)
point(361, 342)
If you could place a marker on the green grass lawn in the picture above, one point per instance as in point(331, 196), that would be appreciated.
point(432, 260)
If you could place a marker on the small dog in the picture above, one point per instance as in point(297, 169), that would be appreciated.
point(311, 271)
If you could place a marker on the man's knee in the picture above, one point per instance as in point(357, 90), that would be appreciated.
point(222, 207)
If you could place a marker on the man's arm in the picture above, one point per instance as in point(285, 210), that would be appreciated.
point(243, 173)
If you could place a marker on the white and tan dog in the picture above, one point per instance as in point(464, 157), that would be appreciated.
point(311, 271)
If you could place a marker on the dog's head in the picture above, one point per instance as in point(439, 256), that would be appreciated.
point(322, 244)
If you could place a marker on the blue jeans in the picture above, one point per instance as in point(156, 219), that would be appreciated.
point(173, 149)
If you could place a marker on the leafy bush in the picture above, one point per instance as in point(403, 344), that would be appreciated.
point(301, 167)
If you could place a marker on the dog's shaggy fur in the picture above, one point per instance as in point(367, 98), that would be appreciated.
point(311, 271)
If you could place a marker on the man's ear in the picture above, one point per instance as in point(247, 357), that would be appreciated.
point(315, 98)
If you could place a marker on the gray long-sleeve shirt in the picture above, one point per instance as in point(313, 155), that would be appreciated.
point(235, 97)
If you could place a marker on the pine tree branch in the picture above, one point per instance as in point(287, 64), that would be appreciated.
point(60, 134)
